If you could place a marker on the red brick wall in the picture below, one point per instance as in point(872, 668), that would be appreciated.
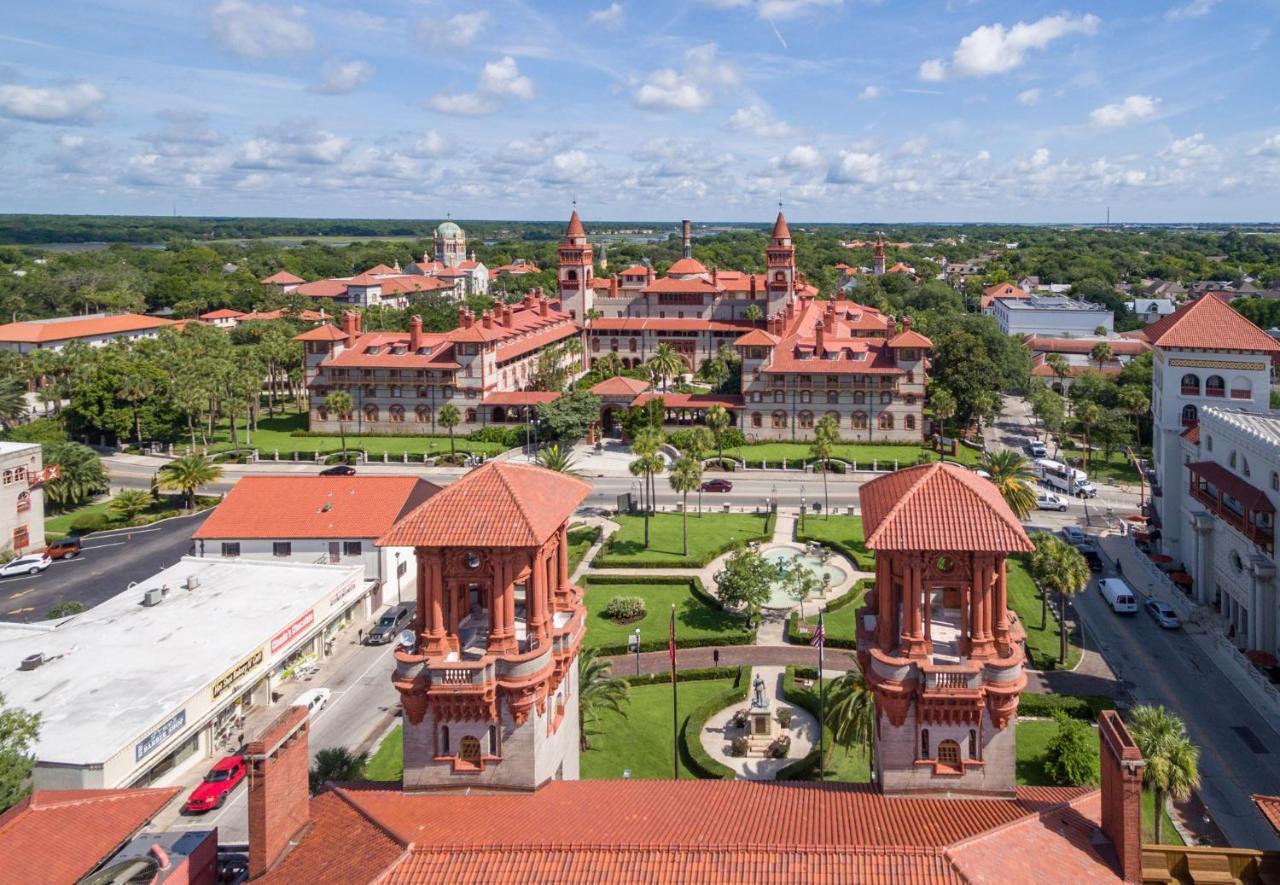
point(1121, 769)
point(279, 796)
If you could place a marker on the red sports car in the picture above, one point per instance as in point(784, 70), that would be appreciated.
point(217, 784)
point(717, 485)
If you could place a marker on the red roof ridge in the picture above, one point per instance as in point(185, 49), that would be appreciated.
point(1220, 328)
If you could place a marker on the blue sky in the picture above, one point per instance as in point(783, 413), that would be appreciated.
point(846, 110)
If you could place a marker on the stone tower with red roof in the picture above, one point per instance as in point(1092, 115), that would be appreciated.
point(780, 266)
point(940, 649)
point(488, 675)
point(576, 262)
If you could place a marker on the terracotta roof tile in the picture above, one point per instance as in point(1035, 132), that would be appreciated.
point(1209, 323)
point(780, 229)
point(620, 385)
point(939, 506)
point(694, 285)
point(687, 266)
point(224, 313)
point(327, 332)
point(282, 278)
point(757, 338)
point(692, 400)
point(1192, 434)
point(575, 228)
point(498, 505)
point(314, 507)
point(335, 288)
point(1270, 808)
point(61, 835)
point(70, 328)
point(661, 324)
point(1120, 347)
point(910, 338)
point(342, 846)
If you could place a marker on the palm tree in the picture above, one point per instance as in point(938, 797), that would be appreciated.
point(942, 403)
point(665, 363)
point(851, 714)
point(338, 404)
point(1135, 402)
point(825, 434)
point(608, 365)
point(130, 503)
point(133, 390)
point(1101, 353)
point(598, 690)
point(686, 476)
point(449, 418)
point(700, 442)
point(1061, 369)
point(335, 764)
point(80, 474)
point(13, 402)
point(1060, 568)
point(647, 463)
point(560, 460)
point(1040, 564)
point(189, 473)
point(1012, 477)
point(1089, 414)
point(753, 313)
point(717, 418)
point(1173, 762)
point(986, 408)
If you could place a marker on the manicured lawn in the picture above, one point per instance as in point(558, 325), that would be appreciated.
point(275, 435)
point(1033, 741)
point(580, 540)
point(61, 525)
point(165, 506)
point(696, 619)
point(1042, 644)
point(861, 454)
point(841, 623)
point(841, 532)
point(388, 763)
point(1116, 468)
point(641, 740)
point(709, 535)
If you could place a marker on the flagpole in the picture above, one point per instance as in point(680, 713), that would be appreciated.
point(675, 706)
point(822, 693)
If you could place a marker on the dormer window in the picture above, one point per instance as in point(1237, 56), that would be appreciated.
point(398, 350)
point(372, 349)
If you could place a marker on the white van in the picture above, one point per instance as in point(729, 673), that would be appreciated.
point(1119, 596)
point(1060, 477)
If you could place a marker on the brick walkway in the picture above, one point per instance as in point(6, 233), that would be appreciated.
point(732, 656)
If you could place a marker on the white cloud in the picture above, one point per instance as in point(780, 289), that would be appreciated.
point(1190, 150)
point(692, 88)
point(913, 147)
point(1131, 110)
point(499, 80)
point(344, 77)
point(757, 120)
point(456, 32)
point(1030, 97)
point(1269, 148)
point(783, 9)
point(568, 166)
point(292, 145)
point(72, 103)
point(610, 17)
point(259, 30)
point(802, 156)
point(870, 93)
point(994, 49)
point(1194, 9)
point(431, 144)
point(856, 167)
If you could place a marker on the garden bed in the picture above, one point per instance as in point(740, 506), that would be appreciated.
point(699, 619)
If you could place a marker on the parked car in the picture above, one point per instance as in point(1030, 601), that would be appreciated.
point(1050, 501)
point(67, 548)
point(389, 624)
point(717, 485)
point(339, 470)
point(31, 564)
point(211, 792)
point(1163, 614)
point(1036, 449)
point(314, 699)
point(1118, 595)
point(1074, 535)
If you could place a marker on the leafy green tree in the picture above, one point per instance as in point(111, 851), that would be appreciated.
point(188, 474)
point(598, 690)
point(986, 408)
point(753, 313)
point(1061, 368)
point(745, 582)
point(338, 404)
point(13, 402)
point(553, 457)
point(568, 418)
point(1060, 568)
point(607, 365)
point(800, 583)
point(18, 731)
point(1050, 409)
point(665, 363)
point(1089, 414)
point(81, 475)
point(685, 477)
point(1101, 354)
point(1012, 476)
point(129, 504)
point(1135, 403)
point(1071, 756)
point(826, 433)
point(851, 713)
point(647, 463)
point(64, 609)
point(1172, 760)
point(336, 764)
point(942, 404)
point(1111, 431)
point(134, 389)
point(448, 417)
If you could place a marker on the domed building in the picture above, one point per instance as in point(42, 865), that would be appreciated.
point(451, 244)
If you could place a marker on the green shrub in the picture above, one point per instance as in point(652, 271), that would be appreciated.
point(510, 437)
point(1071, 757)
point(65, 609)
point(803, 769)
point(696, 674)
point(731, 438)
point(784, 717)
point(740, 746)
point(87, 523)
point(694, 755)
point(1082, 707)
point(625, 608)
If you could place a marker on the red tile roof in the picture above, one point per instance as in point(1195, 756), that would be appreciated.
point(327, 332)
point(224, 313)
point(780, 229)
point(1119, 346)
point(282, 278)
point(1192, 434)
point(439, 355)
point(757, 338)
point(336, 288)
point(1270, 808)
point(692, 400)
point(497, 505)
point(520, 398)
point(1209, 323)
point(694, 285)
point(635, 270)
point(620, 385)
point(1040, 368)
point(314, 507)
point(575, 228)
point(939, 506)
point(910, 338)
point(341, 846)
point(1004, 290)
point(47, 331)
point(687, 266)
point(657, 324)
point(61, 835)
point(510, 350)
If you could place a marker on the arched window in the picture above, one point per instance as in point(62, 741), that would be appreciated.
point(613, 344)
point(1188, 416)
point(397, 414)
point(805, 419)
point(834, 416)
point(948, 754)
point(779, 420)
point(1190, 385)
point(1244, 465)
point(1241, 388)
point(1275, 481)
point(859, 397)
point(886, 398)
point(471, 416)
point(24, 501)
point(858, 420)
point(1215, 386)
point(757, 420)
point(833, 397)
point(395, 391)
point(886, 421)
point(571, 276)
point(910, 400)
point(910, 422)
point(423, 414)
point(1231, 460)
point(371, 413)
point(595, 344)
point(423, 393)
point(779, 396)
point(806, 396)
point(924, 743)
point(493, 740)
point(469, 749)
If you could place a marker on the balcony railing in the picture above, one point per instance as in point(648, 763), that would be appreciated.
point(1262, 535)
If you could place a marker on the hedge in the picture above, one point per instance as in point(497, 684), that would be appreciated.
point(694, 582)
point(744, 638)
point(801, 769)
point(864, 560)
point(695, 756)
point(1085, 707)
point(855, 592)
point(793, 635)
point(695, 674)
point(602, 558)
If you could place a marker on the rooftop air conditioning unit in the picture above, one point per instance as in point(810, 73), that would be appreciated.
point(192, 582)
point(30, 662)
point(153, 596)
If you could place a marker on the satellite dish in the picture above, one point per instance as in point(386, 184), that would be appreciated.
point(408, 639)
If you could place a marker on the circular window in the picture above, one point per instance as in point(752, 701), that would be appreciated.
point(473, 561)
point(1236, 562)
point(945, 564)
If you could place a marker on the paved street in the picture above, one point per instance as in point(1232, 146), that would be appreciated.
point(108, 564)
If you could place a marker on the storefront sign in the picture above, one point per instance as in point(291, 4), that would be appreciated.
point(342, 591)
point(160, 735)
point(240, 670)
point(293, 631)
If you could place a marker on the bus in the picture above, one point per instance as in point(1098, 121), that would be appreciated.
point(1059, 476)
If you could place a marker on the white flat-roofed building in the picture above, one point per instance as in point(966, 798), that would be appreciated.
point(158, 678)
point(21, 498)
point(1051, 315)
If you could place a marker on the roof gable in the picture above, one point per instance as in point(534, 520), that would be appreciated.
point(1209, 323)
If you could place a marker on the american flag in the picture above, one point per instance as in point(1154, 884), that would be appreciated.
point(819, 635)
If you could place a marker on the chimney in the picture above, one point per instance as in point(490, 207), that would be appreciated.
point(818, 331)
point(506, 315)
point(753, 287)
point(650, 275)
point(1121, 769)
point(462, 317)
point(613, 285)
point(350, 327)
point(279, 800)
point(687, 233)
point(415, 333)
point(906, 324)
point(544, 306)
point(486, 319)
point(715, 276)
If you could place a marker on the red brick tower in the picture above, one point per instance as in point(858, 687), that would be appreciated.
point(936, 641)
point(576, 265)
point(877, 258)
point(490, 677)
point(780, 266)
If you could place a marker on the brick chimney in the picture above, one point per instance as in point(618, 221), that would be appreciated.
point(613, 285)
point(686, 232)
point(415, 333)
point(544, 306)
point(753, 286)
point(506, 315)
point(279, 797)
point(487, 319)
point(351, 326)
point(818, 331)
point(906, 324)
point(1121, 768)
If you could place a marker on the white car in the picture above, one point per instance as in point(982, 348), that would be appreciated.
point(314, 699)
point(31, 564)
point(1050, 501)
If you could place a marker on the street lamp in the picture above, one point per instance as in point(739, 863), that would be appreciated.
point(398, 600)
point(802, 500)
point(634, 641)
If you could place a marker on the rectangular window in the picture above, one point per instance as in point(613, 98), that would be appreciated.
point(351, 548)
point(230, 548)
point(282, 548)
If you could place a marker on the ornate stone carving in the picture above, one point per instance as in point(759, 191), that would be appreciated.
point(413, 697)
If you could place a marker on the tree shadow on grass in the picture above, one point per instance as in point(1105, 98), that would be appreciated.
point(697, 615)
